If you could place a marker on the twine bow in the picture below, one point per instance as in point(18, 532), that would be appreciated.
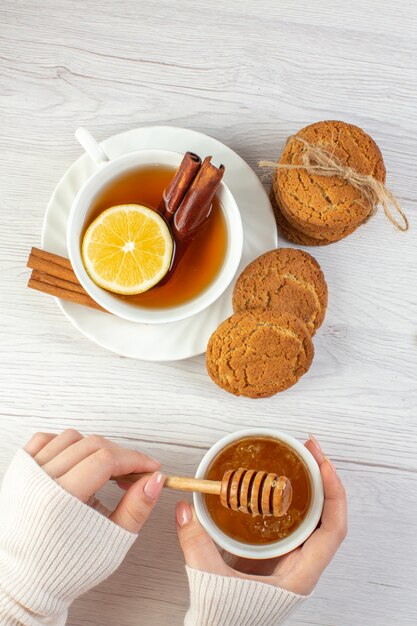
point(317, 160)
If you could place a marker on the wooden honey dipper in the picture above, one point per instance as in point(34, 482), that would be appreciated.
point(246, 490)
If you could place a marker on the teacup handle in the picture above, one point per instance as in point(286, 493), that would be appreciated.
point(90, 145)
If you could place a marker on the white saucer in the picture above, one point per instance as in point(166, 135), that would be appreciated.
point(186, 338)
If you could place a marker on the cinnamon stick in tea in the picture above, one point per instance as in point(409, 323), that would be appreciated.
point(179, 185)
point(195, 208)
point(196, 205)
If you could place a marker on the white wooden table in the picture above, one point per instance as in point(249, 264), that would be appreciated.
point(250, 74)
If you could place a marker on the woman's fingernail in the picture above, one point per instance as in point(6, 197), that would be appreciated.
point(184, 514)
point(316, 443)
point(153, 487)
point(330, 463)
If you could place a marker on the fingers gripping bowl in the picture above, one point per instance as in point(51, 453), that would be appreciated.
point(260, 537)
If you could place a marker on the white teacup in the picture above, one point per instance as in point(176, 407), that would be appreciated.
point(80, 215)
point(282, 546)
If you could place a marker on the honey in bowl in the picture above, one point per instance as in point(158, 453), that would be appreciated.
point(202, 259)
point(270, 455)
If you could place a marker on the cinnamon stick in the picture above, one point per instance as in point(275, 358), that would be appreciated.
point(65, 294)
point(52, 267)
point(196, 205)
point(179, 185)
point(51, 257)
point(57, 282)
point(53, 274)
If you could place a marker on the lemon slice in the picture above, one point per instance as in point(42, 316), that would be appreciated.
point(127, 249)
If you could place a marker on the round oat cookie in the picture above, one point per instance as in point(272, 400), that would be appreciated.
point(259, 353)
point(304, 230)
point(296, 236)
point(289, 232)
point(286, 281)
point(318, 204)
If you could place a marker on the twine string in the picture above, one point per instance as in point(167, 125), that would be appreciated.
point(317, 160)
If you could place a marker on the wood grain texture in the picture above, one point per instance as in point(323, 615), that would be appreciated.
point(249, 74)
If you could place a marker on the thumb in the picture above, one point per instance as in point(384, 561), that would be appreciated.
point(136, 505)
point(199, 549)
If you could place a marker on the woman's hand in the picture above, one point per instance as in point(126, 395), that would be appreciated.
point(300, 570)
point(82, 465)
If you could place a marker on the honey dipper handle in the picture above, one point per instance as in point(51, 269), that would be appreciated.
point(180, 483)
point(193, 484)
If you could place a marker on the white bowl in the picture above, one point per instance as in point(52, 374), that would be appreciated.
point(80, 216)
point(277, 548)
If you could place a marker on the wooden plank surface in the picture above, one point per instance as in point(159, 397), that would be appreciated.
point(249, 74)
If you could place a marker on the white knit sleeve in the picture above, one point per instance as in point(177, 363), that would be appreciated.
point(53, 547)
point(224, 600)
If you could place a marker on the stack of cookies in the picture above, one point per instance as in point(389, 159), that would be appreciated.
point(279, 300)
point(314, 210)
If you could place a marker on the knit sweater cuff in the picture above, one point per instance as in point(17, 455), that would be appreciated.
point(53, 547)
point(219, 600)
